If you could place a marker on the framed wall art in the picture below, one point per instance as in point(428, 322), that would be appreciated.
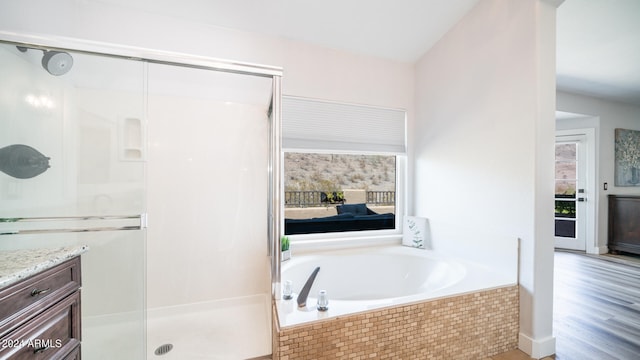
point(627, 158)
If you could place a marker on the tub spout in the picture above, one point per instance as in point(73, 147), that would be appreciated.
point(304, 293)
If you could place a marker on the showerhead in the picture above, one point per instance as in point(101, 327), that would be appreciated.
point(57, 62)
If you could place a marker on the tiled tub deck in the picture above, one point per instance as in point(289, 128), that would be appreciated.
point(468, 326)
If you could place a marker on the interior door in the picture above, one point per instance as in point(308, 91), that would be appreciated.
point(570, 192)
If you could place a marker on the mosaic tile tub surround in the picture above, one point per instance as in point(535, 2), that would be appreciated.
point(469, 326)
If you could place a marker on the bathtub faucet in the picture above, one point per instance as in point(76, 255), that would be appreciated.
point(304, 293)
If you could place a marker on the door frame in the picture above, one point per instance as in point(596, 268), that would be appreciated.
point(591, 194)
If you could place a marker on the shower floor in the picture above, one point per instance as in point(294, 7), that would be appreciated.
point(229, 329)
point(114, 336)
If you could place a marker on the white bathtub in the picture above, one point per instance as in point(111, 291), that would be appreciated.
point(358, 280)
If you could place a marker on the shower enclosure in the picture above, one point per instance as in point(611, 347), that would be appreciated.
point(163, 165)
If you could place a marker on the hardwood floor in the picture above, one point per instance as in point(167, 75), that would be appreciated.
point(596, 308)
point(514, 355)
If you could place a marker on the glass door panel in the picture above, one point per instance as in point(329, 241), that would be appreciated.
point(72, 171)
point(208, 146)
point(569, 173)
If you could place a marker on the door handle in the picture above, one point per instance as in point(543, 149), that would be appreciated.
point(582, 199)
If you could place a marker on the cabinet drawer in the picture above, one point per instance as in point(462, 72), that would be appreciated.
point(53, 334)
point(74, 355)
point(27, 298)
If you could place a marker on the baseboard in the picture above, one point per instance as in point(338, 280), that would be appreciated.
point(537, 349)
point(597, 250)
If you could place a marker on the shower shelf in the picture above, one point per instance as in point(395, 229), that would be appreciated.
point(132, 136)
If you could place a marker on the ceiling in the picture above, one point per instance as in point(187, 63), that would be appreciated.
point(399, 30)
point(598, 41)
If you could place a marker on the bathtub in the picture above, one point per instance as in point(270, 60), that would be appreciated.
point(359, 280)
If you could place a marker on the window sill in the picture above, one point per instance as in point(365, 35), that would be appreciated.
point(299, 246)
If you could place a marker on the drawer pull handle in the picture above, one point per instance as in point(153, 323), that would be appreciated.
point(36, 292)
point(40, 349)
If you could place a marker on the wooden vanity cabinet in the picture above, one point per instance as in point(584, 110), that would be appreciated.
point(40, 315)
point(624, 223)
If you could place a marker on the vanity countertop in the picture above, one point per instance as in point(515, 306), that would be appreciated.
point(16, 265)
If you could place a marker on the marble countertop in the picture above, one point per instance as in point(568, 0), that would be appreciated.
point(16, 265)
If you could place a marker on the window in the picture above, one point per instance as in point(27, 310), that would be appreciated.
point(339, 192)
point(343, 167)
point(565, 193)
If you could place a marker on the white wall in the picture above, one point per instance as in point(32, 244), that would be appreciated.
point(605, 116)
point(309, 71)
point(483, 138)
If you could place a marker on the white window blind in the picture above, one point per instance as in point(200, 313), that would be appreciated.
point(321, 125)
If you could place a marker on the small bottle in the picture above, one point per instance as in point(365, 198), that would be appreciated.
point(286, 290)
point(323, 301)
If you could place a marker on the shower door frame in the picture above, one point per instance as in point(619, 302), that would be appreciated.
point(274, 207)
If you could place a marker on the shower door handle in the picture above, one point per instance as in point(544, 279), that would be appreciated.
point(71, 224)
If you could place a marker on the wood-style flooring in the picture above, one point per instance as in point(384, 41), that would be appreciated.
point(596, 307)
point(514, 355)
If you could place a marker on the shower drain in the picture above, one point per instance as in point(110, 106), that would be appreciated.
point(163, 349)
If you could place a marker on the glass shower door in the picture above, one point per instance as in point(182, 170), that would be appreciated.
point(72, 172)
point(208, 269)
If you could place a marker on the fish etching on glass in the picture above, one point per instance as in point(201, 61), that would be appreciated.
point(22, 161)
